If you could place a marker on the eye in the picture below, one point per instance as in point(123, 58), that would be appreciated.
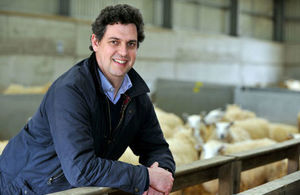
point(132, 44)
point(114, 42)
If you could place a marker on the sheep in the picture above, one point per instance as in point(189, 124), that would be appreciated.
point(292, 84)
point(202, 131)
point(19, 89)
point(168, 121)
point(228, 132)
point(183, 147)
point(294, 136)
point(221, 131)
point(281, 132)
point(256, 127)
point(196, 189)
point(253, 128)
point(195, 122)
point(249, 178)
point(234, 113)
point(213, 116)
point(246, 145)
point(3, 143)
point(167, 130)
point(129, 157)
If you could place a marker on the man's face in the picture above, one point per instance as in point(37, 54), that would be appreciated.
point(116, 51)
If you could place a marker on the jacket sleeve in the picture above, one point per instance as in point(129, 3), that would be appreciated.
point(150, 144)
point(68, 115)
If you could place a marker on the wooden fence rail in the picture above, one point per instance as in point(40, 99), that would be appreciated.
point(226, 168)
point(287, 185)
point(262, 156)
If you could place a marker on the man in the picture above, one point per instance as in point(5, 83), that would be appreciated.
point(87, 119)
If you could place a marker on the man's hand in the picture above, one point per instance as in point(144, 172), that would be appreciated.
point(152, 191)
point(161, 180)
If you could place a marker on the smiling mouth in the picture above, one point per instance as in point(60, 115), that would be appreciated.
point(120, 61)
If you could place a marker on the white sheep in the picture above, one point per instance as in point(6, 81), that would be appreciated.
point(294, 136)
point(234, 113)
point(168, 121)
point(281, 132)
point(129, 157)
point(2, 145)
point(183, 147)
point(20, 89)
point(228, 132)
point(213, 116)
point(256, 127)
point(195, 122)
point(292, 84)
point(249, 178)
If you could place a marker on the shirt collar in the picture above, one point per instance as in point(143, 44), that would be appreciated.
point(109, 89)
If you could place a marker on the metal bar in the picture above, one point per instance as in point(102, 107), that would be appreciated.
point(278, 25)
point(167, 13)
point(234, 18)
point(256, 14)
point(64, 7)
point(206, 4)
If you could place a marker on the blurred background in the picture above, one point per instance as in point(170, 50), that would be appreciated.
point(189, 44)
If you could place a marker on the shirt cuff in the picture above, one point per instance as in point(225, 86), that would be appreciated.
point(147, 181)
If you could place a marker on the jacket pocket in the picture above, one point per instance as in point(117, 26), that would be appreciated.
point(55, 178)
point(26, 188)
point(19, 187)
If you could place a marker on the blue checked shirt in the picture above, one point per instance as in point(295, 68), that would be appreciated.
point(109, 90)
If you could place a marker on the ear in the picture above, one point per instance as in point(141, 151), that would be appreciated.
point(185, 116)
point(214, 125)
point(95, 42)
point(221, 150)
point(203, 113)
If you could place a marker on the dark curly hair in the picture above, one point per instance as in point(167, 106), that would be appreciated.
point(123, 13)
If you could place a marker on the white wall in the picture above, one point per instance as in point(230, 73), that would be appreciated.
point(292, 61)
point(35, 55)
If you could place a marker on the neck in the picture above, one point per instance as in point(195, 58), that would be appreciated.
point(116, 83)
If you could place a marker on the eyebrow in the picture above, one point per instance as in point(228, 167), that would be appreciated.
point(130, 41)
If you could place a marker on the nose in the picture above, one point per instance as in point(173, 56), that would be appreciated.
point(123, 50)
point(222, 136)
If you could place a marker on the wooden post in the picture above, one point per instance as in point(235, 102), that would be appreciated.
point(293, 159)
point(237, 170)
point(226, 179)
point(298, 119)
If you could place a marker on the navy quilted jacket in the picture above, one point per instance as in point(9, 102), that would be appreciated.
point(69, 143)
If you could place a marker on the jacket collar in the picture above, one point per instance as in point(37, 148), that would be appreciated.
point(139, 86)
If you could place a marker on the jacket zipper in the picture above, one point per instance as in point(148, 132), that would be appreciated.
point(53, 178)
point(123, 108)
point(109, 121)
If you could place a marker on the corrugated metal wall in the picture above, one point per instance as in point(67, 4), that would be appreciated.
point(202, 16)
point(206, 16)
point(32, 6)
point(89, 11)
point(256, 19)
point(292, 21)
